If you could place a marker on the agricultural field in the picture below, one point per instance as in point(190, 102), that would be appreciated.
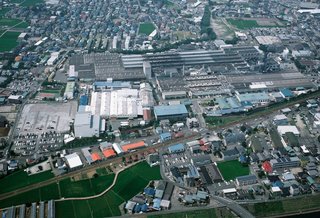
point(212, 213)
point(275, 208)
point(9, 22)
point(232, 169)
point(146, 28)
point(20, 179)
point(129, 183)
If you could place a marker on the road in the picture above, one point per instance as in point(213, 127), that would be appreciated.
point(106, 163)
point(234, 206)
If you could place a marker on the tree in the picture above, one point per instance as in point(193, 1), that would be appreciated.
point(243, 128)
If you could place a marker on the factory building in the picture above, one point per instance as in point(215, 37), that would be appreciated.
point(87, 125)
point(69, 92)
point(173, 112)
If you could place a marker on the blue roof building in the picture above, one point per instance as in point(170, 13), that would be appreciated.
point(149, 191)
point(83, 100)
point(176, 148)
point(156, 203)
point(286, 93)
point(173, 112)
point(165, 136)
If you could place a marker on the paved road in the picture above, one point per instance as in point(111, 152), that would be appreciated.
point(94, 166)
point(234, 206)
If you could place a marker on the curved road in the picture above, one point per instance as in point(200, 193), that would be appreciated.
point(105, 191)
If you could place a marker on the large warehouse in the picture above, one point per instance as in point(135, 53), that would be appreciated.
point(173, 112)
point(87, 125)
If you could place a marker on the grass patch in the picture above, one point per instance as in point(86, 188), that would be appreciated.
point(223, 120)
point(21, 179)
point(232, 169)
point(28, 3)
point(8, 41)
point(146, 28)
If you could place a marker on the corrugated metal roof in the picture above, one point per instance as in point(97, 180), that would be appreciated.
point(164, 110)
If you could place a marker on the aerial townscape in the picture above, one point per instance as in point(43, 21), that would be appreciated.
point(159, 108)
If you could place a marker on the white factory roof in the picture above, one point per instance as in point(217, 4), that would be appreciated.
point(280, 117)
point(73, 160)
point(117, 148)
point(275, 189)
point(284, 129)
point(229, 190)
point(83, 118)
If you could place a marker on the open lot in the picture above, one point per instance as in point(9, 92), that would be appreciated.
point(8, 41)
point(39, 118)
point(220, 121)
point(20, 179)
point(286, 206)
point(221, 29)
point(146, 28)
point(232, 169)
point(130, 182)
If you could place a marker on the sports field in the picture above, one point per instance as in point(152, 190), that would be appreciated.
point(248, 23)
point(130, 182)
point(146, 28)
point(20, 179)
point(232, 169)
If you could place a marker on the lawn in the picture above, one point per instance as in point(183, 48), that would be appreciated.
point(232, 169)
point(8, 41)
point(20, 179)
point(130, 182)
point(146, 28)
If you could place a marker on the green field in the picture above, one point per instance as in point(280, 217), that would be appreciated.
point(146, 28)
point(20, 179)
point(12, 22)
point(204, 213)
point(8, 41)
point(232, 169)
point(273, 208)
point(129, 183)
point(86, 187)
